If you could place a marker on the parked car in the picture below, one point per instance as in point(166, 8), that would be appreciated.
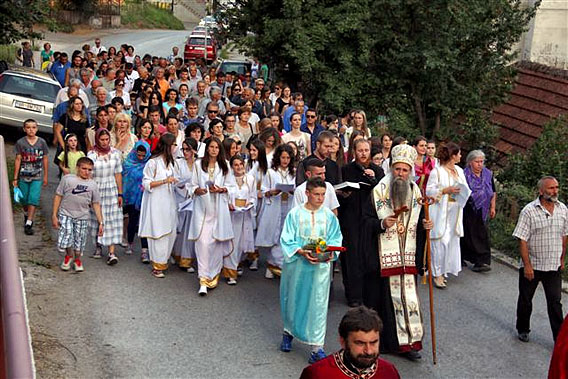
point(27, 93)
point(195, 48)
point(208, 21)
point(240, 67)
point(199, 29)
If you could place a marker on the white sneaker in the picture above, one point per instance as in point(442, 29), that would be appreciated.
point(112, 260)
point(191, 270)
point(202, 291)
point(240, 271)
point(128, 250)
point(268, 274)
point(231, 282)
point(66, 265)
point(254, 265)
point(124, 243)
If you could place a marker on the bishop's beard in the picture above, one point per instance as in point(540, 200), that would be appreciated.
point(400, 189)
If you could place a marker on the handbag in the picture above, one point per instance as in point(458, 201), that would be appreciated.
point(251, 138)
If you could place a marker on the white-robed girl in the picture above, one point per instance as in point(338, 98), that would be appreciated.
point(448, 185)
point(158, 215)
point(276, 205)
point(211, 226)
point(257, 166)
point(184, 249)
point(243, 200)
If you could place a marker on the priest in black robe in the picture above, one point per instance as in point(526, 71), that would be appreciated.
point(366, 174)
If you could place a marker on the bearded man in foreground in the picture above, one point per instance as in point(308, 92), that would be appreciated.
point(359, 357)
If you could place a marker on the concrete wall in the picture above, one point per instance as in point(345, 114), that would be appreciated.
point(190, 11)
point(546, 41)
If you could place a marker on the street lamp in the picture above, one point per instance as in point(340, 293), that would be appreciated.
point(207, 10)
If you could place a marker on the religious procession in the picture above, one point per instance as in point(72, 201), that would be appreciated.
point(216, 174)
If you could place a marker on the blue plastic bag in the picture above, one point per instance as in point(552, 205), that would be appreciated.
point(18, 195)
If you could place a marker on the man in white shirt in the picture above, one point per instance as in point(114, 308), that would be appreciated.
point(542, 230)
point(174, 54)
point(62, 95)
point(316, 167)
point(130, 77)
point(98, 47)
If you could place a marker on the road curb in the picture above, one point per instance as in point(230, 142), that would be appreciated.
point(514, 263)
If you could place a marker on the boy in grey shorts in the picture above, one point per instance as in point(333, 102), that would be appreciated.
point(74, 197)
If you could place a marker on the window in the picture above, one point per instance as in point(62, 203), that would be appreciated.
point(27, 87)
point(199, 41)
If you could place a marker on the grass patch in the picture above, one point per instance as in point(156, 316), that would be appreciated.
point(8, 53)
point(144, 15)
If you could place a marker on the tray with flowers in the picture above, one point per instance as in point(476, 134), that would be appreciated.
point(320, 250)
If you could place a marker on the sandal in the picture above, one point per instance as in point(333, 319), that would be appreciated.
point(158, 274)
point(439, 282)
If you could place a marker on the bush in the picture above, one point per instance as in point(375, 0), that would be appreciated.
point(511, 199)
point(548, 156)
point(8, 53)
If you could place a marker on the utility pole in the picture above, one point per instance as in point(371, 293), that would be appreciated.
point(206, 31)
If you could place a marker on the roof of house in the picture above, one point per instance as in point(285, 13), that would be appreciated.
point(539, 95)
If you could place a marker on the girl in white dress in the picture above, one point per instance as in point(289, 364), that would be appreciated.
point(158, 216)
point(243, 199)
point(448, 185)
point(211, 226)
point(184, 249)
point(302, 139)
point(276, 206)
point(257, 166)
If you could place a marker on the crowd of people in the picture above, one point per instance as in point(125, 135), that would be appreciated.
point(213, 170)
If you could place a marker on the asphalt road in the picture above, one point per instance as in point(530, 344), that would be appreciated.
point(121, 322)
point(152, 41)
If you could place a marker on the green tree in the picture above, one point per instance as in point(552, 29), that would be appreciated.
point(85, 6)
point(430, 59)
point(17, 18)
point(548, 156)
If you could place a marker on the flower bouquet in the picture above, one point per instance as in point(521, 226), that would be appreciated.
point(320, 250)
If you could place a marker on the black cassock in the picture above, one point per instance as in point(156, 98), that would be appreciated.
point(376, 289)
point(350, 212)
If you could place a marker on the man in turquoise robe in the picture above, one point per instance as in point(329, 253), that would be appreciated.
point(305, 281)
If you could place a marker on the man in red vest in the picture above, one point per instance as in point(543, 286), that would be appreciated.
point(359, 357)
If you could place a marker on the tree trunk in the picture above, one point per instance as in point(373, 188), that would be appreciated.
point(437, 123)
point(420, 111)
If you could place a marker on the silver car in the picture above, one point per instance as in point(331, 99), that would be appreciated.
point(27, 93)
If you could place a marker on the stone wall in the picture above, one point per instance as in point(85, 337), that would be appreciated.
point(546, 41)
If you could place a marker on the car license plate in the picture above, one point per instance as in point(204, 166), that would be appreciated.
point(29, 106)
point(198, 48)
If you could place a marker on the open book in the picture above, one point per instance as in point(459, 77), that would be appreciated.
point(351, 186)
point(285, 187)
